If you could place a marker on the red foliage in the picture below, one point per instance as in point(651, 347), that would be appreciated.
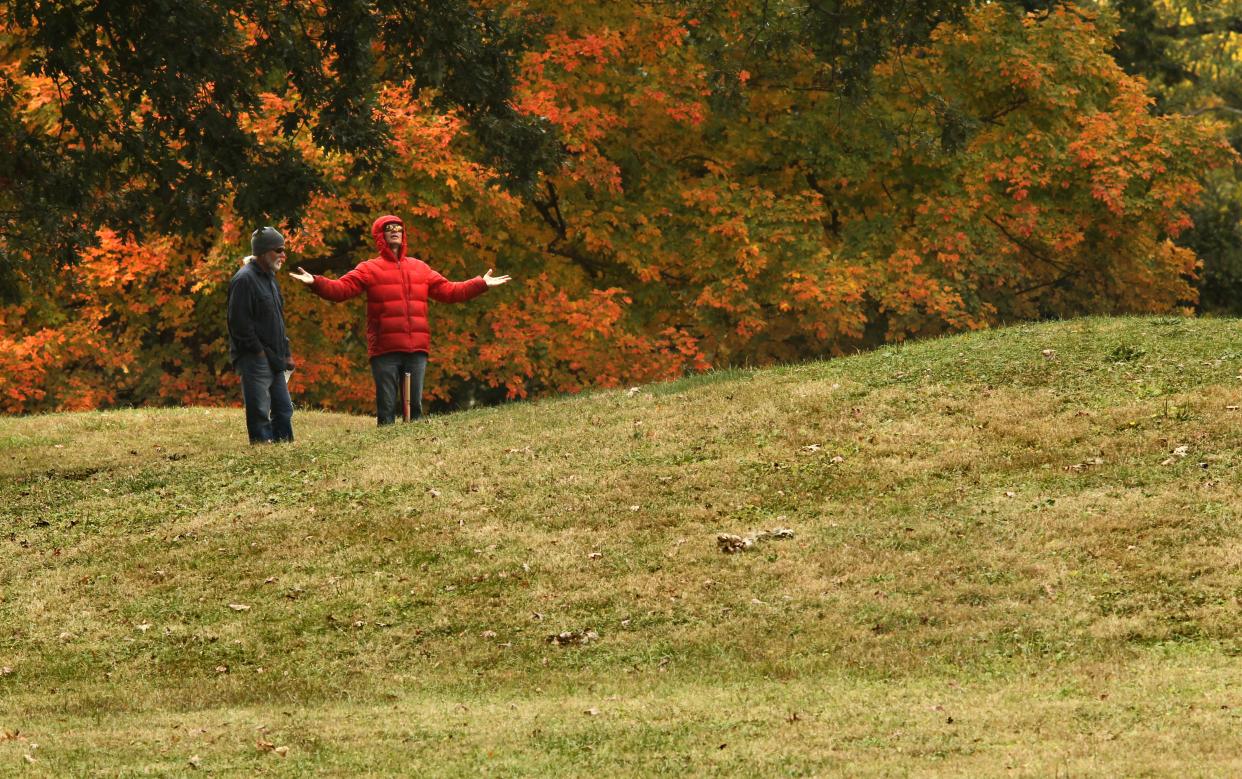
point(1008, 169)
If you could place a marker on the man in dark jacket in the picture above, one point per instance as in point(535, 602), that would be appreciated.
point(257, 341)
point(397, 288)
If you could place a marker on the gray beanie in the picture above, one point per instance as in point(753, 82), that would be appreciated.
point(265, 239)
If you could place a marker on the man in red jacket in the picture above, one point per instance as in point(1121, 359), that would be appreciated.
point(397, 287)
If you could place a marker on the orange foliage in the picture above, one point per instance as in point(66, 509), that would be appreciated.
point(1008, 169)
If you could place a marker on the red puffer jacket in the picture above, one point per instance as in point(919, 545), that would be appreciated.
point(397, 289)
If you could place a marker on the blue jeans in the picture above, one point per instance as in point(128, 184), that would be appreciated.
point(386, 369)
point(269, 410)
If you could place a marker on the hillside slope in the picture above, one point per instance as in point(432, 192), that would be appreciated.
point(1013, 552)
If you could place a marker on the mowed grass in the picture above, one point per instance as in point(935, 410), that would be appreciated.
point(1015, 553)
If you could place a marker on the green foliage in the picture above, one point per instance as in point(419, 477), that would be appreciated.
point(728, 183)
point(1189, 51)
point(1217, 239)
point(148, 130)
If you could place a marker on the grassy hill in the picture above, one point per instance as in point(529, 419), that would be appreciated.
point(1015, 553)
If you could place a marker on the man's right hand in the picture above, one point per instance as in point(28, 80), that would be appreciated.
point(302, 276)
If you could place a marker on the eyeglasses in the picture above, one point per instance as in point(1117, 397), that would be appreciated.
point(393, 228)
point(281, 250)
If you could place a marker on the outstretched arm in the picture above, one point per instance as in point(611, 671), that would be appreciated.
point(350, 285)
point(445, 291)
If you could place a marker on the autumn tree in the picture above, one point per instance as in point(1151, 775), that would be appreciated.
point(1005, 169)
point(135, 115)
point(1189, 52)
point(739, 184)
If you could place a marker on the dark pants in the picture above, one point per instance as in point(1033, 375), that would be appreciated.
point(386, 369)
point(269, 410)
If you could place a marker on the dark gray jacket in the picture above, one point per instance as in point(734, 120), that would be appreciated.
point(257, 317)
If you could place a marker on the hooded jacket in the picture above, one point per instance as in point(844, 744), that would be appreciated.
point(397, 290)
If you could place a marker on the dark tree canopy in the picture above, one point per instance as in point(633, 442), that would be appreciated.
point(151, 99)
point(1189, 52)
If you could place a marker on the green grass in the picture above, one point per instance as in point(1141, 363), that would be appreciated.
point(1016, 553)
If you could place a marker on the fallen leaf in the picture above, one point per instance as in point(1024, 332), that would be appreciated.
point(592, 712)
point(195, 761)
point(595, 555)
point(239, 607)
point(263, 745)
point(1085, 464)
point(731, 544)
point(573, 637)
point(433, 492)
point(1049, 354)
point(282, 750)
point(144, 627)
point(488, 634)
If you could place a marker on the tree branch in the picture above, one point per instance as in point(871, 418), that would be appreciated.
point(550, 210)
point(831, 226)
point(1024, 246)
point(1059, 279)
point(1225, 108)
point(1200, 29)
point(993, 117)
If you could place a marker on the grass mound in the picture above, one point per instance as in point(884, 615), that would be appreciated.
point(1012, 552)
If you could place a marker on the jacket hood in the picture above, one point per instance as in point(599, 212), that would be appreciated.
point(377, 232)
